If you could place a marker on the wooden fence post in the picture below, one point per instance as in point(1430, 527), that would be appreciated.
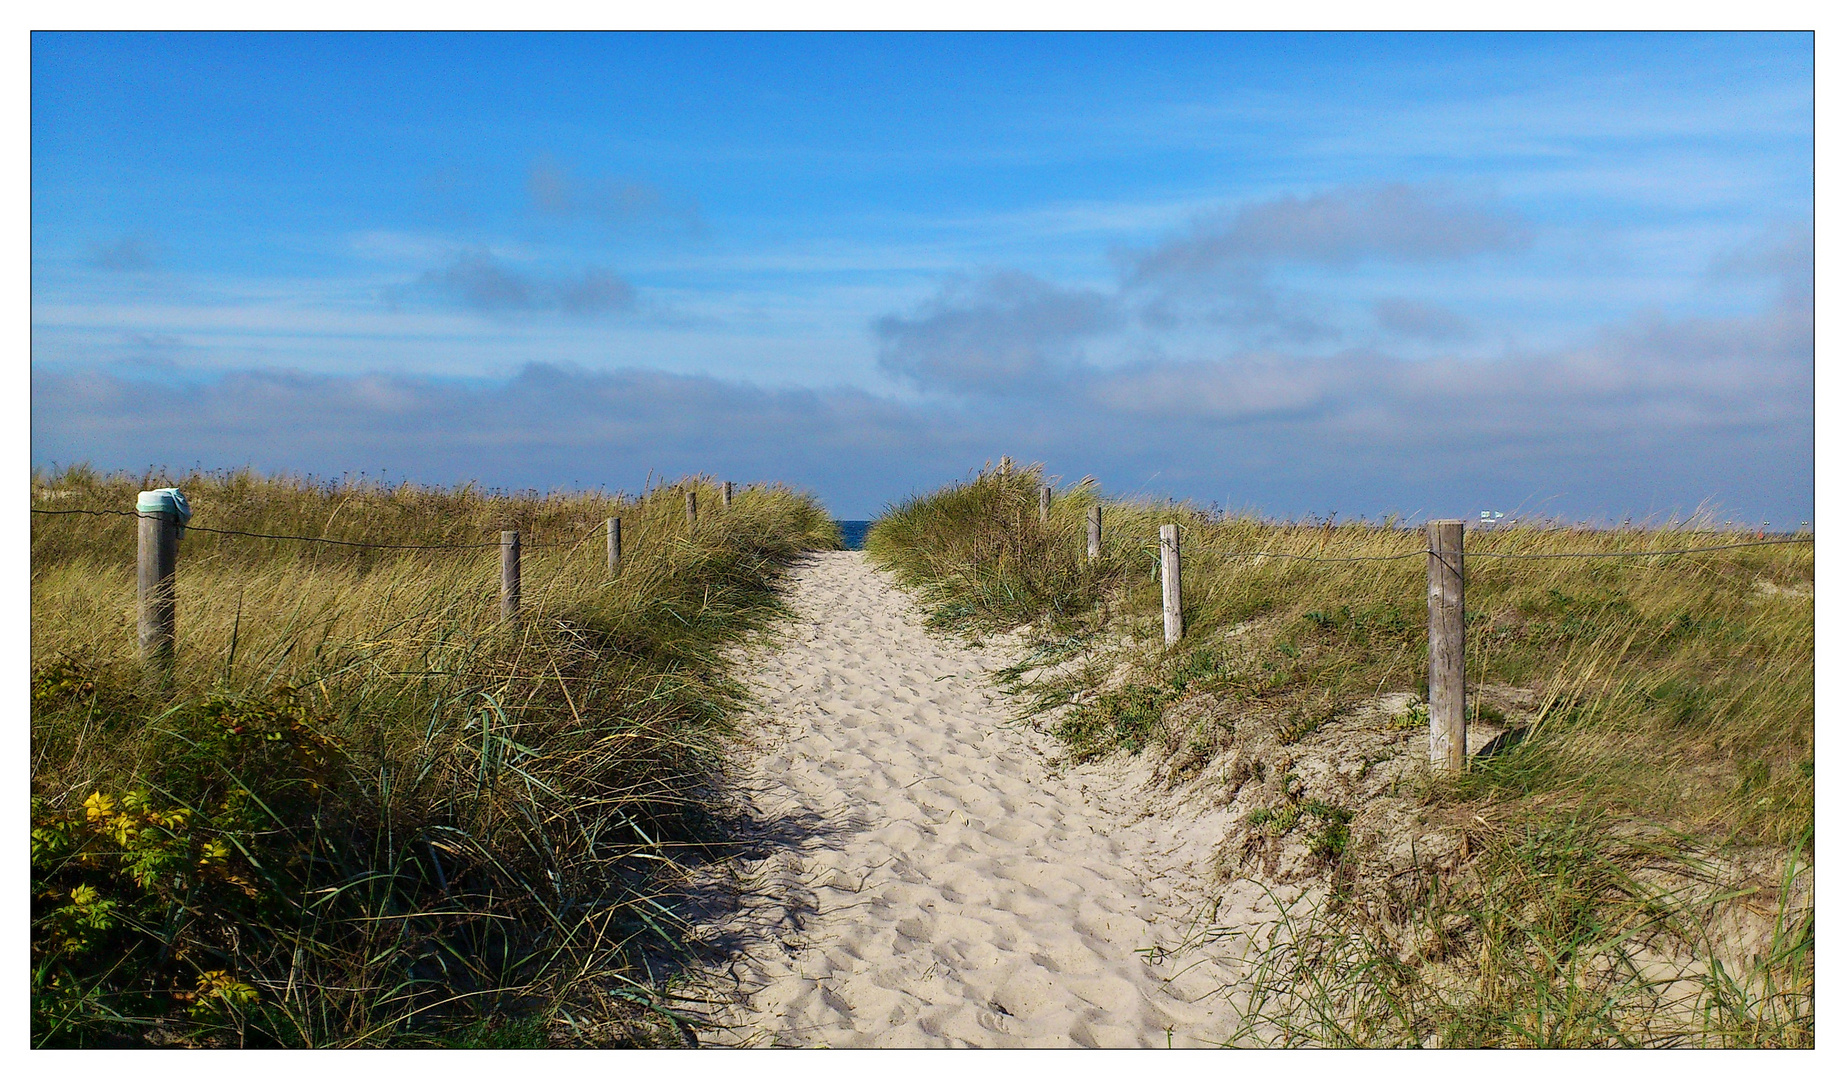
point(691, 509)
point(726, 494)
point(1169, 583)
point(1447, 647)
point(1044, 505)
point(509, 574)
point(156, 560)
point(1095, 532)
point(614, 545)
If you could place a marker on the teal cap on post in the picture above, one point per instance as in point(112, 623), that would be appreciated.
point(165, 501)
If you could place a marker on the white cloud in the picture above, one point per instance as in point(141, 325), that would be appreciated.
point(1338, 227)
point(1001, 333)
point(480, 282)
point(1650, 415)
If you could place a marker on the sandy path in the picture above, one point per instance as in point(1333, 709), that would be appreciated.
point(934, 882)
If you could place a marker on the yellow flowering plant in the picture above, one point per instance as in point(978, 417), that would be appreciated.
point(156, 881)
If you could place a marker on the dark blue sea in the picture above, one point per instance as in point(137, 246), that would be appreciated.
point(854, 532)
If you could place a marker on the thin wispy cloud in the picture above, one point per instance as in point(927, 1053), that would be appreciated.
point(1004, 332)
point(1782, 253)
point(129, 254)
point(612, 201)
point(1419, 321)
point(480, 282)
point(1230, 266)
point(1388, 222)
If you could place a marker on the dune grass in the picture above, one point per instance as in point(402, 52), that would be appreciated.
point(1667, 696)
point(364, 812)
point(1565, 932)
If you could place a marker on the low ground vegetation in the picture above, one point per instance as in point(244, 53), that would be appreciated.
point(363, 811)
point(1627, 859)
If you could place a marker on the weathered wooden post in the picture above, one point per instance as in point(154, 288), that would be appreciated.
point(509, 575)
point(726, 494)
point(163, 513)
point(1169, 583)
point(1095, 532)
point(691, 509)
point(1447, 647)
point(614, 545)
point(1044, 504)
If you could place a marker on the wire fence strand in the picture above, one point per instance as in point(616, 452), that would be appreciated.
point(91, 513)
point(320, 539)
point(1471, 554)
point(1633, 554)
point(350, 543)
point(1312, 558)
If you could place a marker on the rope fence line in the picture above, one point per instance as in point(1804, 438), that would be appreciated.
point(353, 543)
point(1634, 554)
point(323, 539)
point(1313, 558)
point(1447, 555)
point(1506, 554)
point(91, 513)
point(163, 516)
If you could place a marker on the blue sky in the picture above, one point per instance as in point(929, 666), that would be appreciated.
point(1428, 274)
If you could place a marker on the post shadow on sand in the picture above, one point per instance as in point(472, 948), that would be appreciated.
point(715, 891)
point(1501, 743)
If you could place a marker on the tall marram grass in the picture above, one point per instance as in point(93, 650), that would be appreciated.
point(1672, 694)
point(364, 812)
point(1568, 931)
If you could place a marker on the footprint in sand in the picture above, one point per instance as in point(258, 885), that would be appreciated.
point(949, 889)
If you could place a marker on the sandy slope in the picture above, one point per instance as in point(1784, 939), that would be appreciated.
point(927, 876)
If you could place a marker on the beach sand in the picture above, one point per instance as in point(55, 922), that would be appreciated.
point(928, 874)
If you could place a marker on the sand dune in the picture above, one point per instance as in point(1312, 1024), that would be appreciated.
point(929, 876)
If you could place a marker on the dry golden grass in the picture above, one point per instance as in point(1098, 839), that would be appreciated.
point(364, 811)
point(1672, 693)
